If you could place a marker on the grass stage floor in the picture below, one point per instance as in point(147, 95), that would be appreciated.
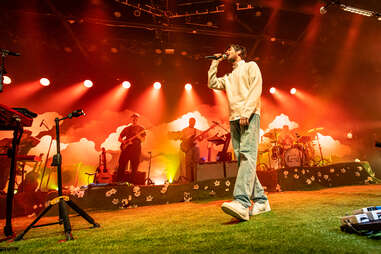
point(300, 222)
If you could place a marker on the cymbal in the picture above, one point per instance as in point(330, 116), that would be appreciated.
point(315, 130)
point(270, 135)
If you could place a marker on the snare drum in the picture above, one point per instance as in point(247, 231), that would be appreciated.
point(293, 157)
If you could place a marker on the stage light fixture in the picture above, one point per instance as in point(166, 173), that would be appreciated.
point(272, 90)
point(126, 84)
point(88, 83)
point(357, 10)
point(349, 135)
point(157, 85)
point(7, 80)
point(293, 91)
point(44, 82)
point(188, 87)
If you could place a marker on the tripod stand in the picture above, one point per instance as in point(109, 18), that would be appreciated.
point(148, 180)
point(61, 200)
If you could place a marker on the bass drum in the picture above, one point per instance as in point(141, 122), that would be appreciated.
point(293, 157)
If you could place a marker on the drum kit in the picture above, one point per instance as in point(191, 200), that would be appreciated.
point(287, 150)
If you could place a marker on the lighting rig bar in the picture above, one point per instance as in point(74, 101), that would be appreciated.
point(351, 9)
point(167, 14)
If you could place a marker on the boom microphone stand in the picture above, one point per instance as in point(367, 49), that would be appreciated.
point(61, 200)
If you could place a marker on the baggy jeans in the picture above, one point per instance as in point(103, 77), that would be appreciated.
point(245, 144)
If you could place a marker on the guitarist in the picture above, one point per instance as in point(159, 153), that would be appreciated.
point(192, 153)
point(131, 138)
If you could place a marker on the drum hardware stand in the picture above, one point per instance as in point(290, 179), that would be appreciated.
point(148, 180)
point(321, 162)
point(61, 200)
point(46, 159)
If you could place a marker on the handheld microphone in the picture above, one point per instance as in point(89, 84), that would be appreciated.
point(76, 113)
point(224, 56)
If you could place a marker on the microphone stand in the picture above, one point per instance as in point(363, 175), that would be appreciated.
point(2, 69)
point(61, 200)
point(148, 180)
point(46, 161)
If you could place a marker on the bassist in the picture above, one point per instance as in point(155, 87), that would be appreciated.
point(130, 138)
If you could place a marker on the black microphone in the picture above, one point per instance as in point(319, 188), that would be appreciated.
point(224, 56)
point(76, 113)
point(7, 52)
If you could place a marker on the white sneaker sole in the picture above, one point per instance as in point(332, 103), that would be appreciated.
point(234, 213)
point(267, 209)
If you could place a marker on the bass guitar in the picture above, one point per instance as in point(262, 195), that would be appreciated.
point(128, 141)
point(188, 143)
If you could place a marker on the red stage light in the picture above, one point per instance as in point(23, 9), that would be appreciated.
point(157, 85)
point(7, 80)
point(126, 84)
point(272, 90)
point(88, 83)
point(293, 91)
point(188, 87)
point(44, 82)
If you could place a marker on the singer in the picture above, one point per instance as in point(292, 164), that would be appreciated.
point(243, 87)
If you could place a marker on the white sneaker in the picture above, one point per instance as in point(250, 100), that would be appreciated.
point(259, 208)
point(236, 209)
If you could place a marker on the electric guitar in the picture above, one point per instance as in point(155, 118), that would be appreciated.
point(188, 143)
point(128, 141)
point(102, 175)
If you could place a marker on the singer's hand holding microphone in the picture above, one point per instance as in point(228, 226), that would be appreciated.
point(220, 57)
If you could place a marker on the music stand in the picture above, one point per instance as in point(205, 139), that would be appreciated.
point(61, 200)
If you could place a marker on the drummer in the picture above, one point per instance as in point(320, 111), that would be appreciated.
point(286, 137)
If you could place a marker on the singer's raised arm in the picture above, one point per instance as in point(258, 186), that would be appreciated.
point(213, 81)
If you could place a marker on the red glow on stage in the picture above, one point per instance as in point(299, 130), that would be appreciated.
point(151, 98)
point(293, 91)
point(157, 85)
point(272, 90)
point(88, 83)
point(7, 80)
point(222, 103)
point(126, 84)
point(188, 87)
point(44, 82)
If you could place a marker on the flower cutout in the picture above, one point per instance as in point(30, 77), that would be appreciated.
point(206, 187)
point(196, 187)
point(129, 197)
point(115, 201)
point(227, 189)
point(312, 178)
point(360, 168)
point(187, 196)
point(285, 172)
point(326, 177)
point(357, 174)
point(332, 170)
point(308, 181)
point(303, 172)
point(277, 188)
point(124, 202)
point(227, 183)
point(149, 198)
point(137, 194)
point(319, 174)
point(164, 189)
point(217, 183)
point(296, 176)
point(111, 192)
point(136, 189)
point(342, 170)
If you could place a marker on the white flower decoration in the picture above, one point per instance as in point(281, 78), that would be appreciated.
point(285, 172)
point(206, 187)
point(332, 170)
point(360, 168)
point(343, 170)
point(137, 194)
point(303, 172)
point(227, 189)
point(217, 183)
point(136, 189)
point(326, 177)
point(296, 176)
point(227, 183)
point(357, 174)
point(164, 189)
point(149, 198)
point(312, 178)
point(115, 201)
point(308, 181)
point(196, 187)
point(187, 196)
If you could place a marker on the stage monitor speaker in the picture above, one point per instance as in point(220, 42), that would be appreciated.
point(210, 171)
